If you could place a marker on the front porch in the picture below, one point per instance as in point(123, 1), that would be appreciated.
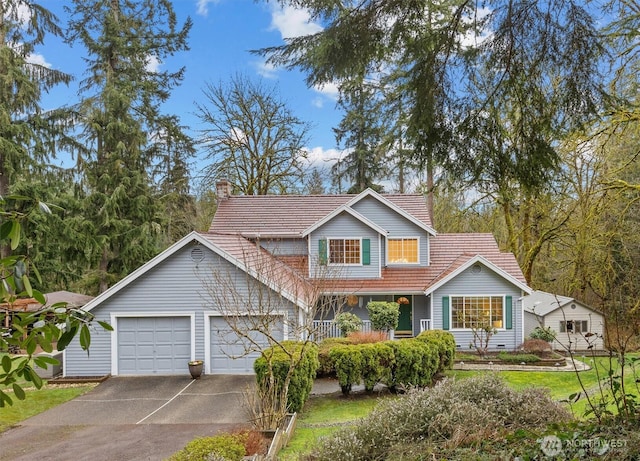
point(414, 317)
point(328, 329)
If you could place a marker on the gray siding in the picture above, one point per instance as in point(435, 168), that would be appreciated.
point(285, 247)
point(484, 283)
point(176, 285)
point(395, 224)
point(348, 227)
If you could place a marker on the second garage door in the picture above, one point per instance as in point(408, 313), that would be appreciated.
point(229, 352)
point(154, 345)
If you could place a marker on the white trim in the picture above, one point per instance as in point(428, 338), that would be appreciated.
point(348, 210)
point(114, 334)
point(407, 264)
point(504, 307)
point(477, 258)
point(217, 314)
point(371, 193)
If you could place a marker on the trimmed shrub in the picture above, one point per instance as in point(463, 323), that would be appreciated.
point(383, 315)
point(347, 361)
point(535, 345)
point(415, 363)
point(304, 358)
point(377, 360)
point(222, 447)
point(348, 323)
point(545, 334)
point(445, 343)
point(325, 366)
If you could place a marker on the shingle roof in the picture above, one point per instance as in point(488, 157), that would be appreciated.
point(449, 252)
point(289, 215)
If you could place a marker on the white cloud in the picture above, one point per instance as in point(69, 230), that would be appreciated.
point(203, 6)
point(266, 70)
point(319, 157)
point(292, 22)
point(38, 59)
point(329, 90)
point(153, 64)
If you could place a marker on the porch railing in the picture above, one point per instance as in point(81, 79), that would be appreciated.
point(425, 324)
point(329, 329)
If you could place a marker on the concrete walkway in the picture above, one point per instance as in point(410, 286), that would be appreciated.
point(560, 365)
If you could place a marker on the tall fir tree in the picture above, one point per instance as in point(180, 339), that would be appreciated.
point(27, 133)
point(126, 42)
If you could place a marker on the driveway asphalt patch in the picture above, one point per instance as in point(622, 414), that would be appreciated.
point(101, 424)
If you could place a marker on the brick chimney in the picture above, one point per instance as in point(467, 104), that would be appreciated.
point(223, 189)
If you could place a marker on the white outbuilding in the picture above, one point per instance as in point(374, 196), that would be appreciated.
point(577, 326)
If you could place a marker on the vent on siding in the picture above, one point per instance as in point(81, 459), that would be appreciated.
point(476, 269)
point(197, 254)
point(501, 346)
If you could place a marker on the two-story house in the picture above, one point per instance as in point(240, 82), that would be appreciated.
point(280, 257)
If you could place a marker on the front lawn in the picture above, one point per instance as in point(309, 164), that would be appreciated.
point(562, 384)
point(324, 415)
point(37, 401)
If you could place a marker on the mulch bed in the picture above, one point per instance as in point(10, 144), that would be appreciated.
point(78, 379)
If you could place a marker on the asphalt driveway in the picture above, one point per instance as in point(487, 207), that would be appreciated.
point(131, 418)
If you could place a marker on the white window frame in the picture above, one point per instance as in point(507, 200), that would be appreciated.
point(417, 239)
point(581, 322)
point(329, 239)
point(504, 313)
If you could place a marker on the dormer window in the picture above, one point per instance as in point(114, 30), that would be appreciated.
point(344, 251)
point(402, 251)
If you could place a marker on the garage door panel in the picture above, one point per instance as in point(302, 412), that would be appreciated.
point(153, 345)
point(229, 352)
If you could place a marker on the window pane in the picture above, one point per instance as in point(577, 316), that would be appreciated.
point(457, 312)
point(395, 251)
point(496, 312)
point(352, 251)
point(403, 251)
point(336, 251)
point(342, 251)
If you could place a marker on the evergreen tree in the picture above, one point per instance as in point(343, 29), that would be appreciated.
point(360, 133)
point(27, 133)
point(118, 114)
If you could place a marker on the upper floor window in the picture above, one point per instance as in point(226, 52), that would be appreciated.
point(477, 312)
point(344, 251)
point(402, 251)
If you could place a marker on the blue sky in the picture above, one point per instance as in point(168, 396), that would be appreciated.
point(223, 33)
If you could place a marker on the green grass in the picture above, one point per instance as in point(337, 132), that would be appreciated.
point(323, 415)
point(562, 384)
point(38, 401)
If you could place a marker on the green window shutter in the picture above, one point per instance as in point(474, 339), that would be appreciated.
point(445, 312)
point(508, 312)
point(366, 252)
point(322, 252)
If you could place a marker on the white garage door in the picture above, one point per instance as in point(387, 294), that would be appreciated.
point(229, 351)
point(154, 345)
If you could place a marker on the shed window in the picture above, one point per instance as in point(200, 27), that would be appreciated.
point(574, 326)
